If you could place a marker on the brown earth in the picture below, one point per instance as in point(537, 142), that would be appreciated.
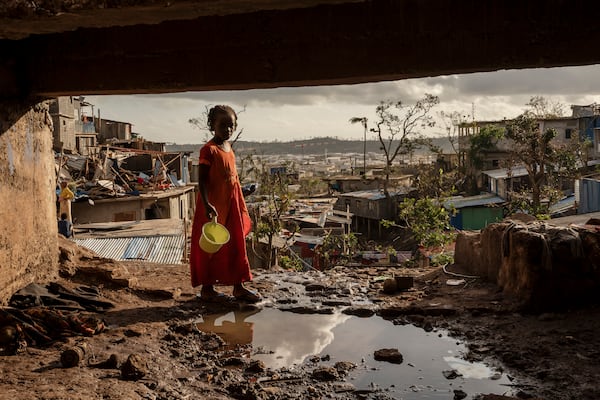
point(551, 356)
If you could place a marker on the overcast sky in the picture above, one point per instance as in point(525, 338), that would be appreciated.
point(300, 113)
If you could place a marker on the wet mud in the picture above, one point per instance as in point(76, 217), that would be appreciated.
point(314, 336)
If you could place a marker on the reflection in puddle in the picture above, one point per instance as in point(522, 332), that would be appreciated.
point(470, 370)
point(289, 339)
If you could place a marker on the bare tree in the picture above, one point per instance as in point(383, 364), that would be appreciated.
point(398, 128)
point(452, 121)
point(542, 107)
point(534, 149)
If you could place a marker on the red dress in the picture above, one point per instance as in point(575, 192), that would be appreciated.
point(229, 265)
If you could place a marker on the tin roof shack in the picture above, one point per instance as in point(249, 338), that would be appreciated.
point(345, 184)
point(475, 212)
point(312, 233)
point(305, 247)
point(175, 203)
point(369, 207)
point(505, 180)
point(128, 185)
point(108, 129)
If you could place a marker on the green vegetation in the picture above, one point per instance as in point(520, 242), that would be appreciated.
point(337, 248)
point(428, 220)
point(274, 192)
point(544, 162)
point(290, 263)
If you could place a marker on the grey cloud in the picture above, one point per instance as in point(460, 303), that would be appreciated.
point(526, 83)
point(545, 81)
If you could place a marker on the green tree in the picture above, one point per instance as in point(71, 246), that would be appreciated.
point(428, 220)
point(543, 160)
point(276, 199)
point(311, 186)
point(337, 248)
point(480, 143)
point(435, 183)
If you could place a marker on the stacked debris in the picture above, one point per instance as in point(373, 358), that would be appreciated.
point(116, 172)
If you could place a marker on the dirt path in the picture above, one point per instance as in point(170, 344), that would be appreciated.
point(551, 356)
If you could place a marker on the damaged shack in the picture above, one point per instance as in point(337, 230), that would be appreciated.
point(127, 184)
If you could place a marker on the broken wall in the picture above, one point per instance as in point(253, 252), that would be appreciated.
point(542, 265)
point(28, 240)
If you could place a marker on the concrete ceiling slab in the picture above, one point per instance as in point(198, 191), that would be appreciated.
point(153, 47)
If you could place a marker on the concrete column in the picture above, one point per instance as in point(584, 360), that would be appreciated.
point(28, 238)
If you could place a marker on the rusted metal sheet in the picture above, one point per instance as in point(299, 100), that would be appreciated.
point(154, 249)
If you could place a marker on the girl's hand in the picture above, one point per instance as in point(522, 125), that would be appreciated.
point(211, 211)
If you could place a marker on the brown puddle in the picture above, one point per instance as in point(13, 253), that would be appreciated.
point(284, 339)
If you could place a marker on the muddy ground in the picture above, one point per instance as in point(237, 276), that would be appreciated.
point(550, 356)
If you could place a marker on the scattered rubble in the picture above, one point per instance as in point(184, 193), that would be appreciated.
point(390, 355)
point(166, 355)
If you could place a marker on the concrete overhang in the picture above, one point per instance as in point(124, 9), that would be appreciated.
point(67, 47)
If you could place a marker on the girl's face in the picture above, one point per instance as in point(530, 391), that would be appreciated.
point(224, 125)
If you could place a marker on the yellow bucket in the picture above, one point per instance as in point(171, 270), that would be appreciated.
point(214, 235)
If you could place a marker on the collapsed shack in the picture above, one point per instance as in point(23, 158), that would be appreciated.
point(544, 266)
point(117, 172)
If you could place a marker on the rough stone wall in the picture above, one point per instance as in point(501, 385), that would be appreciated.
point(467, 253)
point(544, 266)
point(28, 238)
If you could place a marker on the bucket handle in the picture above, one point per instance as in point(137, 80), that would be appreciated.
point(213, 217)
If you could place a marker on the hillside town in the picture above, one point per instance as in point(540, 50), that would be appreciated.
point(299, 200)
point(463, 266)
point(124, 185)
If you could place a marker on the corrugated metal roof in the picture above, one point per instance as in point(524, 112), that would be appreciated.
point(515, 172)
point(563, 205)
point(473, 201)
point(503, 173)
point(155, 249)
point(374, 194)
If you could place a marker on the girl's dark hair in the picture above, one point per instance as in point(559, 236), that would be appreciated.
point(212, 114)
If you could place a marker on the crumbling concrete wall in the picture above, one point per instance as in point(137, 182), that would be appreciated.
point(544, 266)
point(28, 238)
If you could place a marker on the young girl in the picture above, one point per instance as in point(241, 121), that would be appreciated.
point(220, 195)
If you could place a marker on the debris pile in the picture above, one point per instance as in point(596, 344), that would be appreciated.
point(116, 172)
point(39, 315)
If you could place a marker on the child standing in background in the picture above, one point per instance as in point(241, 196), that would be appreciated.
point(220, 195)
point(65, 228)
point(64, 198)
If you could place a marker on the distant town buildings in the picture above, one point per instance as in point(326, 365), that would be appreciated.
point(79, 129)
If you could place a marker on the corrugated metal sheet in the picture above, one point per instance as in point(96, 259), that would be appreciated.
point(504, 173)
point(375, 194)
point(563, 205)
point(154, 249)
point(473, 201)
point(589, 196)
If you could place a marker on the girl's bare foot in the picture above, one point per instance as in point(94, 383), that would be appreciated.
point(208, 293)
point(243, 294)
